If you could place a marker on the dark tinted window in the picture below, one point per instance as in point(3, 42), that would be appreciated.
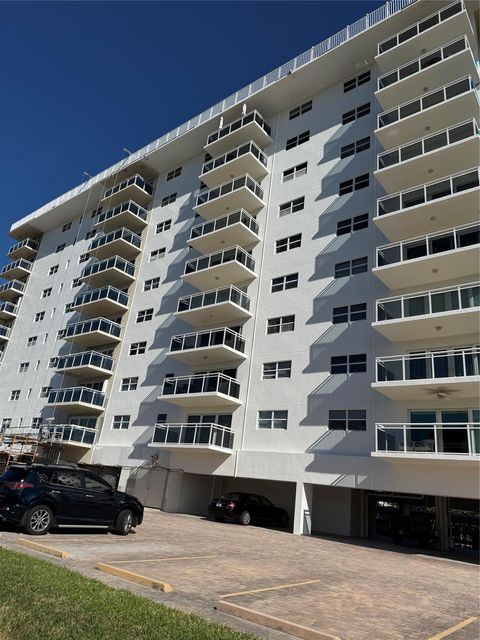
point(14, 475)
point(67, 478)
point(95, 484)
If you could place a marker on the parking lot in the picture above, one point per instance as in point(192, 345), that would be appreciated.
point(350, 591)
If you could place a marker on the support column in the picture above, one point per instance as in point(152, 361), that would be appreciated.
point(441, 509)
point(302, 524)
point(123, 479)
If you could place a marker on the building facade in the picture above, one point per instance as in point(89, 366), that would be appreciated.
point(281, 296)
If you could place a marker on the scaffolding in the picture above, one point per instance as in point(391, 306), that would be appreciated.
point(30, 445)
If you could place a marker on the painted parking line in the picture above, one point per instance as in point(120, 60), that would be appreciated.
point(457, 627)
point(281, 586)
point(162, 559)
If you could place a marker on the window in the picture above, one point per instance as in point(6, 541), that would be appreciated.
point(351, 267)
point(157, 254)
point(174, 174)
point(61, 334)
point(350, 313)
point(356, 82)
point(23, 367)
point(297, 140)
point(153, 283)
point(169, 199)
point(76, 282)
point(36, 422)
point(90, 234)
point(52, 363)
point(69, 307)
point(145, 315)
point(15, 394)
point(39, 316)
point(129, 384)
point(291, 207)
point(354, 114)
point(356, 363)
point(60, 247)
point(47, 292)
point(274, 370)
point(121, 422)
point(83, 258)
point(294, 172)
point(137, 348)
point(280, 325)
point(66, 226)
point(285, 244)
point(298, 111)
point(352, 224)
point(355, 147)
point(31, 341)
point(53, 269)
point(95, 212)
point(272, 419)
point(354, 184)
point(44, 391)
point(285, 282)
point(95, 484)
point(163, 226)
point(347, 419)
point(6, 423)
point(162, 418)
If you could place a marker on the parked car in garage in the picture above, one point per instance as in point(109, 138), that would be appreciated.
point(37, 497)
point(247, 508)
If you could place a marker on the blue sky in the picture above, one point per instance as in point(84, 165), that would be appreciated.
point(82, 80)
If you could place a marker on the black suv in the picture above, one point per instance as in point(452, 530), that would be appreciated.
point(38, 497)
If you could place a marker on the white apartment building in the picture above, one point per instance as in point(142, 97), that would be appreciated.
point(280, 296)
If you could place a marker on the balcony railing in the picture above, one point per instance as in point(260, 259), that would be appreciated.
point(253, 116)
point(118, 234)
point(420, 64)
point(26, 265)
point(4, 331)
point(8, 307)
point(194, 435)
point(215, 296)
point(29, 245)
point(220, 257)
point(427, 101)
point(244, 181)
point(85, 359)
point(130, 206)
point(249, 147)
point(136, 180)
point(417, 439)
point(59, 433)
point(201, 383)
point(211, 338)
point(448, 363)
point(429, 192)
point(429, 245)
point(16, 286)
point(105, 293)
point(420, 27)
point(457, 298)
point(428, 144)
point(74, 395)
point(115, 262)
point(88, 326)
point(222, 222)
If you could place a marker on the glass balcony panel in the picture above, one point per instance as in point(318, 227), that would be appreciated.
point(426, 61)
point(438, 190)
point(465, 181)
point(412, 198)
point(453, 48)
point(432, 99)
point(409, 151)
point(470, 297)
point(416, 306)
point(445, 301)
point(434, 142)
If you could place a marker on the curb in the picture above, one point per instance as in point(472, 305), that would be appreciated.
point(134, 577)
point(43, 548)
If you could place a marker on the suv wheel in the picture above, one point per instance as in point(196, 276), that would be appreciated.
point(123, 523)
point(245, 518)
point(38, 520)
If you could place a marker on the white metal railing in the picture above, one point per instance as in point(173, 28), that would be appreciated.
point(118, 234)
point(60, 433)
point(455, 298)
point(238, 152)
point(253, 116)
point(214, 296)
point(428, 438)
point(84, 359)
point(129, 205)
point(136, 180)
point(194, 435)
point(104, 293)
point(223, 222)
point(90, 326)
point(13, 284)
point(69, 395)
point(9, 307)
point(115, 262)
point(231, 254)
point(222, 336)
point(207, 195)
point(429, 365)
point(4, 331)
point(427, 144)
point(17, 264)
point(28, 242)
point(201, 383)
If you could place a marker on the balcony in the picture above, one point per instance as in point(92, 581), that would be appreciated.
point(421, 441)
point(87, 364)
point(104, 301)
point(11, 290)
point(437, 257)
point(230, 266)
point(4, 333)
point(434, 69)
point(447, 312)
point(437, 375)
point(449, 23)
point(212, 391)
point(248, 158)
point(127, 214)
point(115, 271)
point(61, 434)
point(249, 127)
point(26, 249)
point(122, 242)
point(241, 193)
point(8, 311)
point(18, 269)
point(193, 437)
point(236, 228)
point(77, 399)
point(90, 333)
point(133, 188)
point(455, 148)
point(216, 346)
point(214, 308)
point(428, 208)
point(433, 111)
